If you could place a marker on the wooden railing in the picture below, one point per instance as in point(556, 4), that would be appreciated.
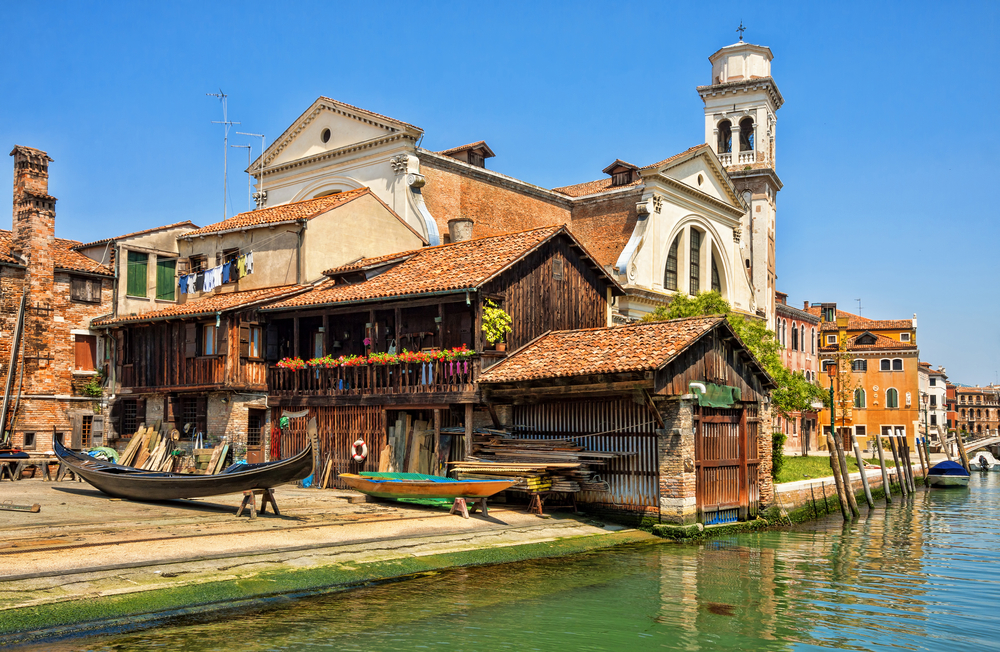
point(411, 378)
point(194, 371)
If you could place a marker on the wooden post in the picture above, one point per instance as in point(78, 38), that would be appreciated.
point(838, 441)
point(924, 465)
point(436, 455)
point(899, 473)
point(885, 473)
point(440, 327)
point(468, 430)
point(864, 475)
point(837, 478)
point(961, 451)
point(295, 337)
point(905, 447)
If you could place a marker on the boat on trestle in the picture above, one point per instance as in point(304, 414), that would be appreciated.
point(139, 484)
point(416, 485)
point(948, 474)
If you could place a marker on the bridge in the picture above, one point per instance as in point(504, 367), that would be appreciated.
point(980, 443)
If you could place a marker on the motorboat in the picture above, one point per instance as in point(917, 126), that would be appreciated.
point(948, 474)
point(984, 461)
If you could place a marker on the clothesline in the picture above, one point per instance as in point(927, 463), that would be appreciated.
point(209, 279)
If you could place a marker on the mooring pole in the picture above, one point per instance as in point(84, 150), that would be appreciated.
point(864, 475)
point(885, 473)
point(899, 471)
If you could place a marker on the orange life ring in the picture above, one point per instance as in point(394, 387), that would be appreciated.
point(360, 457)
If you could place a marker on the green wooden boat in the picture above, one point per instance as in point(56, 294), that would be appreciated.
point(409, 486)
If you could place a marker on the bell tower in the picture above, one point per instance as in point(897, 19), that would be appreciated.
point(741, 105)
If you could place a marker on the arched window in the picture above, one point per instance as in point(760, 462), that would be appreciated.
point(716, 283)
point(695, 279)
point(963, 413)
point(859, 398)
point(891, 398)
point(795, 338)
point(725, 137)
point(979, 414)
point(812, 341)
point(746, 134)
point(670, 274)
point(802, 339)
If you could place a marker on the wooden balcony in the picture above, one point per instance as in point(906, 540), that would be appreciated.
point(194, 373)
point(437, 382)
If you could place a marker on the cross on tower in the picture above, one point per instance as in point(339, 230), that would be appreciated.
point(741, 29)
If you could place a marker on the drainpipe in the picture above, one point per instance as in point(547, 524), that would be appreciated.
point(298, 253)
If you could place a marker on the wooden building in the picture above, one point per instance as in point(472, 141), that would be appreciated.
point(684, 399)
point(356, 326)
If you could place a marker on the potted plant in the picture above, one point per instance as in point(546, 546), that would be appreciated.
point(496, 324)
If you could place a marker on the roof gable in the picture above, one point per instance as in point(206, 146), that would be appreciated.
point(347, 125)
point(686, 168)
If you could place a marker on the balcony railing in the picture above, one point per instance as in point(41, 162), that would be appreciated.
point(407, 378)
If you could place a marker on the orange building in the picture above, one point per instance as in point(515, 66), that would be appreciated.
point(876, 386)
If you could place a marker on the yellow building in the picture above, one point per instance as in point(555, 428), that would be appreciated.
point(876, 386)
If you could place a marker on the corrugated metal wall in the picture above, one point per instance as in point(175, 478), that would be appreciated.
point(607, 425)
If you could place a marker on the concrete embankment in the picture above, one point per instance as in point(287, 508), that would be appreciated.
point(86, 562)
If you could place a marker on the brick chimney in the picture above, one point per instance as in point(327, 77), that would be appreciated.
point(33, 238)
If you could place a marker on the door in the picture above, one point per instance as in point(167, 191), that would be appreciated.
point(255, 436)
point(727, 462)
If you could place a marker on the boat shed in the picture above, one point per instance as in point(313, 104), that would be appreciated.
point(685, 399)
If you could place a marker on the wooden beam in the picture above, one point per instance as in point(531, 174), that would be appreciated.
point(468, 430)
point(361, 308)
point(425, 401)
point(626, 386)
point(653, 409)
point(437, 443)
point(295, 337)
point(493, 415)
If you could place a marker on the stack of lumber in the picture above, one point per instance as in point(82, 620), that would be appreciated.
point(153, 450)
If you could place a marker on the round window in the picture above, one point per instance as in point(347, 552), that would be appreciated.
point(325, 136)
point(701, 179)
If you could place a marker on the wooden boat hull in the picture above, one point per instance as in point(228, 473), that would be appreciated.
point(443, 488)
point(948, 480)
point(138, 484)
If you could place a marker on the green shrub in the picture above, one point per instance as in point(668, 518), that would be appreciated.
point(777, 453)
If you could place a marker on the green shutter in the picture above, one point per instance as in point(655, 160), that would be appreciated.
point(137, 273)
point(165, 278)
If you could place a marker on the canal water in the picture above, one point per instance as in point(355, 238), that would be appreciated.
point(922, 575)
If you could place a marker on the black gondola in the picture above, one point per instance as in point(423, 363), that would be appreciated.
point(138, 484)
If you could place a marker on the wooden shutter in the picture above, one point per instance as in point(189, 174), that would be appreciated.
point(136, 273)
point(97, 430)
point(271, 343)
point(165, 283)
point(140, 411)
point(244, 341)
point(76, 423)
point(85, 349)
point(190, 340)
point(222, 338)
point(116, 417)
point(183, 265)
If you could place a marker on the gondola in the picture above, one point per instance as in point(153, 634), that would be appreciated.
point(138, 484)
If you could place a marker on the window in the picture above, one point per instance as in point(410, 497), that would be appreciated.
point(85, 347)
point(716, 283)
point(255, 423)
point(136, 274)
point(802, 339)
point(670, 274)
point(885, 364)
point(933, 401)
point(827, 363)
point(557, 269)
point(904, 337)
point(963, 413)
point(933, 419)
point(725, 137)
point(695, 280)
point(891, 398)
point(129, 424)
point(199, 263)
point(795, 338)
point(812, 340)
point(29, 440)
point(86, 430)
point(859, 398)
point(859, 365)
point(746, 135)
point(209, 346)
point(897, 364)
point(84, 290)
point(831, 339)
point(165, 278)
point(829, 314)
point(933, 382)
point(325, 136)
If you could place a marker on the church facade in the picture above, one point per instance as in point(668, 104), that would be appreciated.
point(700, 220)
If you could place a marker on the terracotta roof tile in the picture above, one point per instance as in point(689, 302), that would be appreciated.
point(132, 235)
point(882, 343)
point(455, 266)
point(300, 210)
point(675, 157)
point(593, 187)
point(637, 347)
point(208, 305)
point(63, 256)
point(462, 148)
point(859, 323)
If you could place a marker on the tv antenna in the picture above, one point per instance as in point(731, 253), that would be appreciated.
point(249, 185)
point(225, 144)
point(859, 306)
point(260, 196)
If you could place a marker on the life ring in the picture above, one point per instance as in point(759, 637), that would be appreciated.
point(360, 457)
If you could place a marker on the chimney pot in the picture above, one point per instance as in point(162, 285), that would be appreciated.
point(460, 229)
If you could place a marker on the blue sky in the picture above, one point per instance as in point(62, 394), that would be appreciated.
point(887, 142)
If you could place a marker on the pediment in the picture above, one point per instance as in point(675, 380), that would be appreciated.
point(701, 171)
point(330, 125)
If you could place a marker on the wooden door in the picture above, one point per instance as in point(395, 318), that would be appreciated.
point(727, 462)
point(255, 436)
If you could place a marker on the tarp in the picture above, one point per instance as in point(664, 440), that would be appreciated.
point(948, 468)
point(718, 396)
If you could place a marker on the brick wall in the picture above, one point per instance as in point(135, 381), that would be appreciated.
point(228, 418)
point(675, 446)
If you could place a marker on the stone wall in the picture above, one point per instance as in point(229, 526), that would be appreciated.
point(675, 448)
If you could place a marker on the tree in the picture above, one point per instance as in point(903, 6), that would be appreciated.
point(793, 393)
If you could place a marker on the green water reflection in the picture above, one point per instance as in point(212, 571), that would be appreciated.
point(922, 575)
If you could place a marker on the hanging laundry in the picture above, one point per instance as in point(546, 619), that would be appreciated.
point(241, 263)
point(182, 283)
point(249, 264)
point(199, 282)
point(225, 272)
point(217, 272)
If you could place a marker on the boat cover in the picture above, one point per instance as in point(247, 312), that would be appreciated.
point(948, 468)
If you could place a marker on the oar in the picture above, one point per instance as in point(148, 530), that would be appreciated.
point(11, 507)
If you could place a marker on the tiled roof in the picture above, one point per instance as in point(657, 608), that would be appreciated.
point(689, 150)
point(132, 235)
point(299, 210)
point(619, 164)
point(479, 144)
point(63, 256)
point(457, 266)
point(882, 343)
point(207, 305)
point(593, 187)
point(619, 349)
point(859, 323)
